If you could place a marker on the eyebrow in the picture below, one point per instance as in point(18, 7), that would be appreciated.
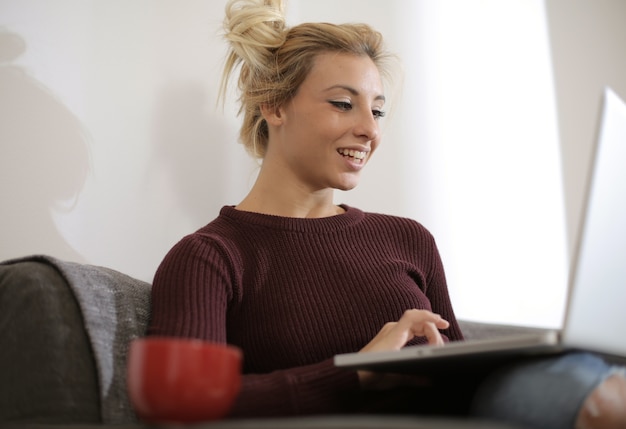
point(352, 91)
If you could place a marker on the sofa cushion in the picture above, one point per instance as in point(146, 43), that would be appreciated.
point(46, 365)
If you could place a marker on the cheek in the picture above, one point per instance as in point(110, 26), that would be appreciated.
point(374, 145)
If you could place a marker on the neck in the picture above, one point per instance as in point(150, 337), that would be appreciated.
point(283, 198)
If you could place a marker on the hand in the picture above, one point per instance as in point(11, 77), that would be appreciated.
point(394, 336)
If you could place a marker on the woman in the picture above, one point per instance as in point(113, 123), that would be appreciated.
point(293, 279)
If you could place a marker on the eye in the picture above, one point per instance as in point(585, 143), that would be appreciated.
point(378, 114)
point(342, 105)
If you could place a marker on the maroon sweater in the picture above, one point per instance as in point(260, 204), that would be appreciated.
point(292, 293)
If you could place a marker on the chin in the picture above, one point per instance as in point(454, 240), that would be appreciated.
point(346, 182)
point(346, 186)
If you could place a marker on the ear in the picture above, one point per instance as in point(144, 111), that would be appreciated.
point(273, 115)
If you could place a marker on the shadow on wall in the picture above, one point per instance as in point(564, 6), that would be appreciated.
point(43, 164)
point(190, 153)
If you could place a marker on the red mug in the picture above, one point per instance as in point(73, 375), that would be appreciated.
point(177, 380)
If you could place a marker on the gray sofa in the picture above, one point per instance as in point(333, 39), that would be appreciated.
point(64, 334)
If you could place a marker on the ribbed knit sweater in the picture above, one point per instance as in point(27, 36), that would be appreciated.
point(292, 293)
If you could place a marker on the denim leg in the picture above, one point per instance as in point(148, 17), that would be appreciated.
point(542, 393)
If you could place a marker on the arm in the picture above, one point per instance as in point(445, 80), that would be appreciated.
point(435, 326)
point(192, 291)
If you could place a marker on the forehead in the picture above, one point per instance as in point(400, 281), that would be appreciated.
point(332, 69)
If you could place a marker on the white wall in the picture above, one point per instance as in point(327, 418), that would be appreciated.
point(131, 151)
point(112, 147)
point(588, 40)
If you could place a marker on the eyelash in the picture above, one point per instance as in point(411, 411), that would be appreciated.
point(345, 106)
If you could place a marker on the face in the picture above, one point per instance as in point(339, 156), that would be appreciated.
point(326, 134)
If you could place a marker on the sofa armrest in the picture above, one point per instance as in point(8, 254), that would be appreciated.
point(47, 367)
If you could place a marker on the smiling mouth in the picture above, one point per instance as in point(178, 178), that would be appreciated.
point(356, 155)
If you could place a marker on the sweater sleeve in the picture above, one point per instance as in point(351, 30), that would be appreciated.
point(191, 292)
point(312, 389)
point(437, 292)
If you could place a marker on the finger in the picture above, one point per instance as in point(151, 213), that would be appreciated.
point(427, 324)
point(417, 323)
point(414, 322)
point(418, 318)
point(432, 334)
point(424, 315)
point(393, 336)
point(442, 323)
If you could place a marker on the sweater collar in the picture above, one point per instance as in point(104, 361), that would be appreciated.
point(350, 217)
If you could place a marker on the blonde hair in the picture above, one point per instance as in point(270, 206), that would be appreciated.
point(274, 59)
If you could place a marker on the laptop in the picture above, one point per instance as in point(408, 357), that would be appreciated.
point(595, 315)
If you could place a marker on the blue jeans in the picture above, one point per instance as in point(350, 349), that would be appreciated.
point(543, 394)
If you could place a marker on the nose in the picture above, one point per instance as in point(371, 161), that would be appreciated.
point(366, 125)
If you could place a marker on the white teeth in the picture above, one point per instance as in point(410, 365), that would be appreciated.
point(356, 154)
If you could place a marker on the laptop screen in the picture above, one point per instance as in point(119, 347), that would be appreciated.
point(595, 317)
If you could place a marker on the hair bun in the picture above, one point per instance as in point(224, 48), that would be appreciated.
point(254, 29)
